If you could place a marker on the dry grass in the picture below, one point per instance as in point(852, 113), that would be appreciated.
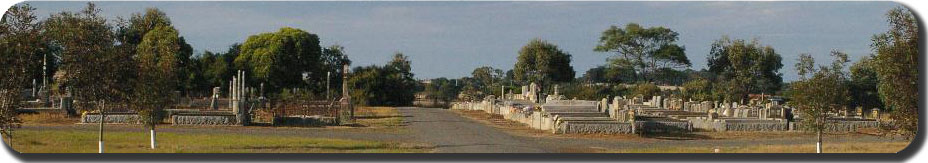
point(47, 118)
point(382, 117)
point(75, 141)
point(868, 147)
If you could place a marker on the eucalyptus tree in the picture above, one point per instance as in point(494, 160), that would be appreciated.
point(742, 67)
point(646, 50)
point(896, 64)
point(820, 91)
point(542, 62)
point(92, 69)
point(157, 77)
point(20, 52)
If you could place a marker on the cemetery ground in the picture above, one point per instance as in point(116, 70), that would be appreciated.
point(377, 130)
point(416, 130)
point(699, 142)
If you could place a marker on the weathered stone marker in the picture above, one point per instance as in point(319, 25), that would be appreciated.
point(214, 99)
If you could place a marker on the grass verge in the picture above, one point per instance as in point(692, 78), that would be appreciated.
point(72, 141)
point(378, 117)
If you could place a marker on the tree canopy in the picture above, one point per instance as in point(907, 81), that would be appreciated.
point(158, 64)
point(20, 52)
point(283, 59)
point(646, 50)
point(90, 65)
point(896, 64)
point(743, 68)
point(543, 62)
point(390, 85)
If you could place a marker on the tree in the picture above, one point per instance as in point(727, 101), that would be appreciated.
point(699, 90)
point(441, 90)
point(91, 67)
point(333, 58)
point(487, 78)
point(744, 68)
point(819, 92)
point(402, 83)
point(157, 66)
point(283, 59)
point(389, 85)
point(19, 52)
point(130, 33)
point(646, 90)
point(215, 69)
point(543, 62)
point(487, 75)
point(863, 84)
point(644, 49)
point(896, 64)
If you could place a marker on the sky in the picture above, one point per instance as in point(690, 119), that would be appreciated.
point(450, 39)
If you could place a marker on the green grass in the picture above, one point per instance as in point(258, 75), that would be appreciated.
point(870, 147)
point(73, 141)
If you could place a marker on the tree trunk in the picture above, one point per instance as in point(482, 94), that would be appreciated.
point(152, 119)
point(102, 118)
point(153, 137)
point(818, 145)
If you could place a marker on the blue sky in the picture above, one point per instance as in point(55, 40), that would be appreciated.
point(450, 39)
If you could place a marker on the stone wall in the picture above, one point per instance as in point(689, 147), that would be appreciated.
point(595, 127)
point(847, 125)
point(663, 126)
point(719, 125)
point(121, 118)
point(314, 121)
point(203, 119)
point(757, 126)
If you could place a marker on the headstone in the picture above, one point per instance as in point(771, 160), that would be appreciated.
point(875, 113)
point(859, 112)
point(604, 104)
point(630, 116)
point(555, 90)
point(214, 99)
point(727, 112)
point(712, 115)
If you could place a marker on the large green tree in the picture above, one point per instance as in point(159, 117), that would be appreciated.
point(820, 91)
point(441, 90)
point(644, 49)
point(20, 52)
point(333, 58)
point(389, 85)
point(157, 74)
point(743, 68)
point(863, 84)
point(543, 62)
point(283, 59)
point(214, 69)
point(488, 79)
point(896, 64)
point(131, 32)
point(91, 67)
